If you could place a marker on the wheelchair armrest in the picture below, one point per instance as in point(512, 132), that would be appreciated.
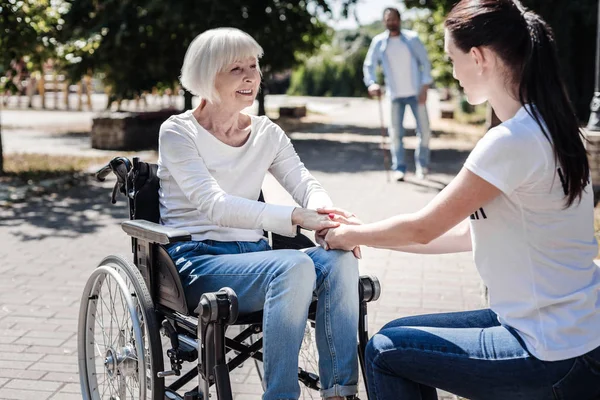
point(155, 233)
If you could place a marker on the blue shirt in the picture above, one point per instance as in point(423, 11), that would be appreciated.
point(421, 67)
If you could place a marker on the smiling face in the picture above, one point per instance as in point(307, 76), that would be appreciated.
point(237, 84)
point(468, 69)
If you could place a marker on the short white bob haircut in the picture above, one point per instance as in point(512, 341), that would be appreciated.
point(209, 53)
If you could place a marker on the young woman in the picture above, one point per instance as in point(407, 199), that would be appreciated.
point(523, 203)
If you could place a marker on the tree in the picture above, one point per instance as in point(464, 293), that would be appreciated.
point(27, 37)
point(336, 69)
point(139, 44)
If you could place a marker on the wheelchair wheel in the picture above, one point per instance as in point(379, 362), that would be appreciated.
point(119, 347)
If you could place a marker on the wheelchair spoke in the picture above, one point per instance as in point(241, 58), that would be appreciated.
point(101, 322)
point(104, 384)
point(113, 389)
point(103, 336)
point(125, 316)
point(129, 388)
point(102, 306)
point(111, 314)
point(109, 335)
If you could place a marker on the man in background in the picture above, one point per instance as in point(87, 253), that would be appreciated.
point(407, 74)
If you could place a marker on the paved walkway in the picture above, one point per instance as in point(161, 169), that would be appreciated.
point(50, 245)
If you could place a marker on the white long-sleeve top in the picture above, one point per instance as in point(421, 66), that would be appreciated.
point(210, 189)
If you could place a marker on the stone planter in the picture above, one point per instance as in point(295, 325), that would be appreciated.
point(294, 111)
point(128, 130)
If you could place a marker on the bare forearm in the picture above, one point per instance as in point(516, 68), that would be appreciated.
point(400, 230)
point(456, 240)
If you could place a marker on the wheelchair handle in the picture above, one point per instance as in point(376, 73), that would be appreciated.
point(101, 174)
point(112, 166)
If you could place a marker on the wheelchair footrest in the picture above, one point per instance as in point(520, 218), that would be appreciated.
point(309, 379)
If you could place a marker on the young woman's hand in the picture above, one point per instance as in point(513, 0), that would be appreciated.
point(337, 238)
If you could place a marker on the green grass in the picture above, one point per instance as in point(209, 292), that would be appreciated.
point(37, 167)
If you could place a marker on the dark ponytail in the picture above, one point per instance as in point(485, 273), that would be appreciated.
point(524, 41)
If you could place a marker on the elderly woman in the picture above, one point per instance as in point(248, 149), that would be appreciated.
point(212, 162)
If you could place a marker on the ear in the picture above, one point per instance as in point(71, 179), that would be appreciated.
point(483, 57)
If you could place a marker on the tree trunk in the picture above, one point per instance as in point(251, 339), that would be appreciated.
point(88, 90)
point(79, 95)
point(66, 94)
point(187, 100)
point(42, 89)
point(56, 91)
point(261, 99)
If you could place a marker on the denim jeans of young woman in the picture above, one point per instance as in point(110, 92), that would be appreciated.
point(281, 282)
point(470, 354)
point(396, 132)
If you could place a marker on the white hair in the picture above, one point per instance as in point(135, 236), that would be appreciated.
point(209, 53)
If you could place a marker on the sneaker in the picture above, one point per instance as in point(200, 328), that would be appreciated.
point(421, 173)
point(399, 176)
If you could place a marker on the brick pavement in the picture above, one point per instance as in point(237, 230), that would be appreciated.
point(51, 244)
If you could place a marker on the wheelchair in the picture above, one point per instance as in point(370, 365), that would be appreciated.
point(126, 306)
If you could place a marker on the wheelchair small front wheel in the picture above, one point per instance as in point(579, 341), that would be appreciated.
point(119, 347)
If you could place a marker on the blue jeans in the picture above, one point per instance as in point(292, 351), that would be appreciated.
point(472, 355)
point(281, 282)
point(396, 132)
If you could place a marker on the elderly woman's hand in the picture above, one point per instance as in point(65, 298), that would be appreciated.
point(342, 216)
point(312, 220)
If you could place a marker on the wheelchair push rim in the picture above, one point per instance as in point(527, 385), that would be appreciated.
point(116, 335)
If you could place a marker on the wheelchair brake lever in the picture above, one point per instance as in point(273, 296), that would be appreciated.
point(113, 196)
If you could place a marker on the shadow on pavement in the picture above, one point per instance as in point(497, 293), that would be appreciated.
point(319, 127)
point(355, 157)
point(81, 209)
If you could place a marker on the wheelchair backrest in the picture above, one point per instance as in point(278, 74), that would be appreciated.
point(144, 184)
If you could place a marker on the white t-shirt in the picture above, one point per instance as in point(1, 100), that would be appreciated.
point(535, 256)
point(209, 188)
point(400, 83)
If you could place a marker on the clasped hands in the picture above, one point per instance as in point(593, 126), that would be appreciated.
point(330, 225)
point(333, 237)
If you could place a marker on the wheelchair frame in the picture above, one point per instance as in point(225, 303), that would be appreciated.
point(216, 311)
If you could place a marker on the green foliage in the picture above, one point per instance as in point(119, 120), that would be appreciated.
point(431, 31)
point(139, 44)
point(337, 69)
point(28, 30)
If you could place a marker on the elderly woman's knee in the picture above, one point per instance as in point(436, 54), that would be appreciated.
point(297, 267)
point(339, 263)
